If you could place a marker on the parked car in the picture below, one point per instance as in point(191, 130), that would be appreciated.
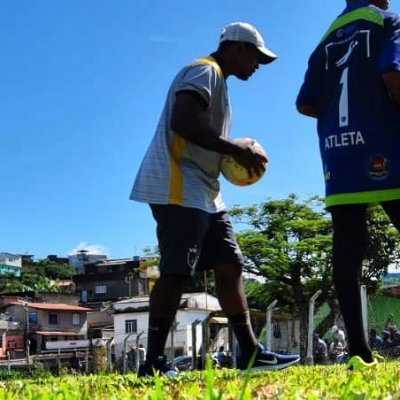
point(183, 363)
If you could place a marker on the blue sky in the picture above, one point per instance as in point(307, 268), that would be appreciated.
point(83, 83)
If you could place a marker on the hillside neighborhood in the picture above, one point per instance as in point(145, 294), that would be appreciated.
point(101, 315)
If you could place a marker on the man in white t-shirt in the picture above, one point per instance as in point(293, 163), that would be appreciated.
point(178, 178)
point(338, 334)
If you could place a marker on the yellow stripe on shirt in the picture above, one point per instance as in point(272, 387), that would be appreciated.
point(176, 178)
point(210, 61)
point(177, 147)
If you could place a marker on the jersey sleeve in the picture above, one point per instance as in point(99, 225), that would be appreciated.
point(309, 89)
point(203, 79)
point(390, 54)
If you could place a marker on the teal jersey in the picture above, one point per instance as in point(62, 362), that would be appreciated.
point(358, 123)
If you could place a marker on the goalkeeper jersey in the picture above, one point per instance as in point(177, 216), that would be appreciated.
point(358, 123)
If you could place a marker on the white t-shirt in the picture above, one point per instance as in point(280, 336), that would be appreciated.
point(174, 170)
point(339, 335)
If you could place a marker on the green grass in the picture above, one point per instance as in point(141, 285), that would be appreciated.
point(300, 382)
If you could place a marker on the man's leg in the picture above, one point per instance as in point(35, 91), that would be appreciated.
point(221, 251)
point(164, 301)
point(230, 293)
point(224, 255)
point(349, 248)
point(179, 233)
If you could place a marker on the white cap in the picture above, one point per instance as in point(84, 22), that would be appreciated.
point(244, 32)
point(334, 328)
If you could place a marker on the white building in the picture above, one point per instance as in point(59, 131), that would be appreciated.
point(10, 263)
point(82, 257)
point(131, 317)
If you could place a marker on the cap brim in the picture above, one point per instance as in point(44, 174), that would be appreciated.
point(266, 56)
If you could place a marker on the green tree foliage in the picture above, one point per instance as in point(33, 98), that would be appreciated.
point(49, 269)
point(288, 249)
point(42, 275)
point(383, 247)
point(287, 246)
point(10, 283)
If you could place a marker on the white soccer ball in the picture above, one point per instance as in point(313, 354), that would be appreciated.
point(235, 173)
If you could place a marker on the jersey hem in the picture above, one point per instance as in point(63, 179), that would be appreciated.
point(177, 203)
point(363, 197)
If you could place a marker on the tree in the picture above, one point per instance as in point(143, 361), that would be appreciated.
point(49, 269)
point(10, 283)
point(42, 275)
point(383, 247)
point(287, 248)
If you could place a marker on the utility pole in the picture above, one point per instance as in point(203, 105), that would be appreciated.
point(26, 309)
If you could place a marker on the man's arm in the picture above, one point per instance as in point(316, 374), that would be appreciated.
point(391, 80)
point(307, 109)
point(187, 121)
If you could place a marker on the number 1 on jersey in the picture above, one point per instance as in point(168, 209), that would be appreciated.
point(344, 99)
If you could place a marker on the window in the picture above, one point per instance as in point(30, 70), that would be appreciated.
point(33, 318)
point(76, 319)
point(100, 289)
point(53, 319)
point(131, 326)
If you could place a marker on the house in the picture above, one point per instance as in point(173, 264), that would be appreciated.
point(82, 257)
point(11, 338)
point(42, 297)
point(110, 280)
point(67, 285)
point(10, 264)
point(199, 314)
point(49, 326)
point(57, 260)
point(131, 321)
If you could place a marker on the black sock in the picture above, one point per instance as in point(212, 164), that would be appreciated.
point(348, 293)
point(243, 330)
point(349, 248)
point(159, 328)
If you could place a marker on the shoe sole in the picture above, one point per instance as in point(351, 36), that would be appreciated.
point(357, 366)
point(272, 367)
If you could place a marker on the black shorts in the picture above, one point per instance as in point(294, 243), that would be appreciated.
point(190, 239)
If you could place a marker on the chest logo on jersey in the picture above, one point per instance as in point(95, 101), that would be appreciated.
point(345, 31)
point(344, 139)
point(378, 167)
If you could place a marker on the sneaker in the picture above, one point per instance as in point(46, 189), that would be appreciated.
point(356, 363)
point(266, 361)
point(159, 366)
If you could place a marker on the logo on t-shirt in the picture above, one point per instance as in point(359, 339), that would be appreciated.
point(345, 31)
point(192, 257)
point(378, 167)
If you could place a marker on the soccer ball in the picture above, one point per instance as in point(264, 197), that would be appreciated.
point(234, 172)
